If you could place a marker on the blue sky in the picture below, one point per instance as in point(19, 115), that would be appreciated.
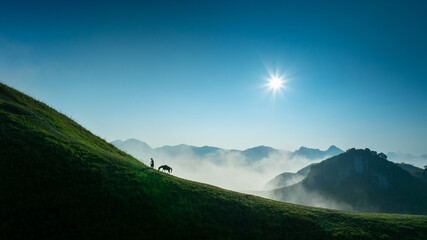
point(171, 72)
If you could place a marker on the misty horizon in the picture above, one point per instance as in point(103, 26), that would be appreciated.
point(200, 146)
point(238, 170)
point(418, 160)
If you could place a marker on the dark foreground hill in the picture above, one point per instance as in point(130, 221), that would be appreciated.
point(360, 180)
point(59, 181)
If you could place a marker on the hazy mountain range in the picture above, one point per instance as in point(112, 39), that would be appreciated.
point(144, 152)
point(240, 170)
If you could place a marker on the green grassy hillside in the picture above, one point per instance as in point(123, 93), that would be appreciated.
point(59, 181)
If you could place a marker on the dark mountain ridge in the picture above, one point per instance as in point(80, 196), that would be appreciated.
point(362, 180)
point(287, 178)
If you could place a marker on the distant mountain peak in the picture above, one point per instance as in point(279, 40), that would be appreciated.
point(333, 148)
point(314, 153)
point(132, 140)
point(260, 147)
point(115, 142)
point(257, 153)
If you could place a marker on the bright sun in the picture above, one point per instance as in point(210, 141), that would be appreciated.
point(275, 83)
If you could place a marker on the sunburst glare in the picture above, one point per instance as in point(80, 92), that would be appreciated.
point(275, 82)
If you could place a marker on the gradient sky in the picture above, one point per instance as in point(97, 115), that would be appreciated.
point(171, 72)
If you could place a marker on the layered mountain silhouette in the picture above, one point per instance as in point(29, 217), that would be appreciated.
point(288, 178)
point(283, 180)
point(143, 151)
point(314, 154)
point(359, 180)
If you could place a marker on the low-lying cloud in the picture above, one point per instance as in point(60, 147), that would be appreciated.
point(229, 169)
point(300, 195)
point(243, 171)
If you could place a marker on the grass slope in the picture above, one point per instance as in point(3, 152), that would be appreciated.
point(59, 181)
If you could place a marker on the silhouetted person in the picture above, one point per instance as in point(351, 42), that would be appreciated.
point(152, 163)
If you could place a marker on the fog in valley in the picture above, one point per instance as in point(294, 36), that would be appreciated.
point(236, 170)
point(257, 170)
point(230, 169)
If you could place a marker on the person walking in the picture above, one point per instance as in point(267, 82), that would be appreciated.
point(152, 163)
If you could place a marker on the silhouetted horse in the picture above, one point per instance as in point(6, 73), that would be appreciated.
point(165, 168)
